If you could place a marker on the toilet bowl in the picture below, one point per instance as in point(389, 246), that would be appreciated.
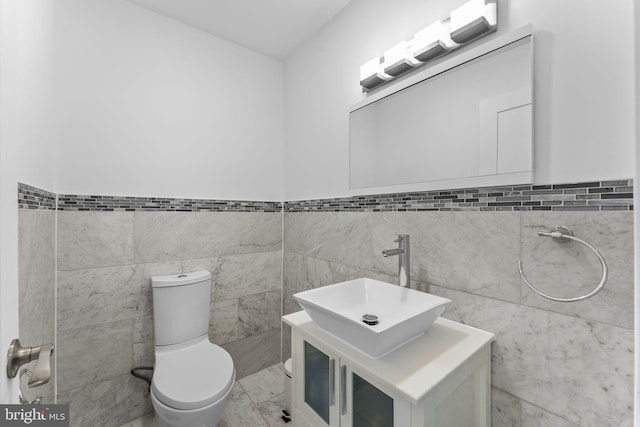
point(192, 377)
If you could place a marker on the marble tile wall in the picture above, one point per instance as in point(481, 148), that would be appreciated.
point(105, 327)
point(553, 364)
point(36, 284)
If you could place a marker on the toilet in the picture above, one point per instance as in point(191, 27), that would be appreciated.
point(192, 377)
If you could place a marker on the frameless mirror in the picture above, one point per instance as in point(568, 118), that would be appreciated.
point(469, 124)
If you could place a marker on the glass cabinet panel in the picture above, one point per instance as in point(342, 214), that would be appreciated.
point(371, 407)
point(316, 380)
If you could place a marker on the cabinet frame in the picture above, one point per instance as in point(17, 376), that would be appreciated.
point(442, 379)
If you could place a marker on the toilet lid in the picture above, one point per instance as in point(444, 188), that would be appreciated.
point(194, 377)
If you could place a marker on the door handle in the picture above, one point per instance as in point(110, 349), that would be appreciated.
point(343, 390)
point(18, 356)
point(332, 382)
point(21, 396)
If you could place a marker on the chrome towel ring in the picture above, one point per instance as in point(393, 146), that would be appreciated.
point(563, 234)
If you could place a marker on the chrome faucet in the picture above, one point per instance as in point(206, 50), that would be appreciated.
point(402, 251)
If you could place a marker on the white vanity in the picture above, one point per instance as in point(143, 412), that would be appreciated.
point(439, 379)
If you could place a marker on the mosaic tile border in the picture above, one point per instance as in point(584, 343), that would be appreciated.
point(69, 202)
point(583, 196)
point(35, 198)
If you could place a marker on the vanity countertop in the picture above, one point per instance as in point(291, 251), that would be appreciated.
point(417, 367)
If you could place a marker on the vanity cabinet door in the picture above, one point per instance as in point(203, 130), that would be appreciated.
point(328, 392)
point(363, 403)
point(369, 405)
point(316, 385)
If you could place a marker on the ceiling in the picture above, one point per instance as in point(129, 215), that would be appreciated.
point(272, 27)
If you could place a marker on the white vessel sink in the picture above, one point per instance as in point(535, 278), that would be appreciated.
point(402, 314)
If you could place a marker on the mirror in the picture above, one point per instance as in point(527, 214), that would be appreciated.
point(468, 123)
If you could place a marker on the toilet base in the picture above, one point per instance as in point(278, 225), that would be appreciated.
point(207, 416)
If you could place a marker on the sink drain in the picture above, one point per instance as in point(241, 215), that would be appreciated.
point(370, 319)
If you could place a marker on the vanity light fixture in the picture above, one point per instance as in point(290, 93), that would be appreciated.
point(473, 19)
point(372, 75)
point(399, 59)
point(468, 22)
point(431, 42)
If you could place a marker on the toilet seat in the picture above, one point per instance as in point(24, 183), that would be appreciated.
point(193, 377)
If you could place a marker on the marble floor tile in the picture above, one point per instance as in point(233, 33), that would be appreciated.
point(255, 353)
point(146, 421)
point(240, 411)
point(271, 411)
point(255, 401)
point(532, 416)
point(265, 384)
point(505, 409)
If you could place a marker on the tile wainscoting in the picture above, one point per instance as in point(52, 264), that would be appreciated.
point(36, 277)
point(108, 249)
point(105, 263)
point(566, 364)
point(553, 364)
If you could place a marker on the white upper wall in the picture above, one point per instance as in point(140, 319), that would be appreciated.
point(147, 106)
point(26, 149)
point(27, 93)
point(584, 122)
point(636, 227)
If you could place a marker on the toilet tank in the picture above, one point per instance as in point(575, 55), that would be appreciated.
point(180, 307)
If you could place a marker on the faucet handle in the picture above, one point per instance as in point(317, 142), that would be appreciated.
point(401, 238)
